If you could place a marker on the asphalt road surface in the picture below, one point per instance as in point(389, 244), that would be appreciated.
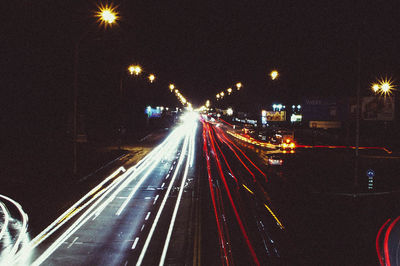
point(134, 217)
point(206, 197)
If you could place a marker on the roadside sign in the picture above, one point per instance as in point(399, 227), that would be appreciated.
point(370, 173)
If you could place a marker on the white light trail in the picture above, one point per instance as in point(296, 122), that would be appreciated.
point(150, 159)
point(6, 219)
point(154, 225)
point(178, 201)
point(23, 231)
point(120, 210)
point(45, 233)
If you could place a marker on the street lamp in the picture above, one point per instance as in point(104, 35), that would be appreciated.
point(239, 86)
point(171, 87)
point(375, 87)
point(229, 90)
point(134, 70)
point(384, 87)
point(274, 74)
point(152, 78)
point(107, 16)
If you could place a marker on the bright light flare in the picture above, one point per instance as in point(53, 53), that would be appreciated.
point(134, 70)
point(239, 86)
point(274, 74)
point(375, 87)
point(171, 87)
point(384, 86)
point(152, 78)
point(107, 15)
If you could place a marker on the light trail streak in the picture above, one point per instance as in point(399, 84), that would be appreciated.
point(220, 234)
point(268, 208)
point(223, 134)
point(386, 241)
point(227, 164)
point(247, 189)
point(154, 225)
point(178, 201)
point(273, 215)
point(41, 236)
point(192, 153)
point(378, 248)
point(143, 164)
point(237, 156)
point(241, 226)
point(23, 230)
point(77, 224)
point(6, 219)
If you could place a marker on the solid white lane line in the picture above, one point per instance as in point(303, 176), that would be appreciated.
point(135, 242)
point(70, 245)
point(153, 227)
point(177, 204)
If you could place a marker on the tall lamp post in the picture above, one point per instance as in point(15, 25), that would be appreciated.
point(107, 16)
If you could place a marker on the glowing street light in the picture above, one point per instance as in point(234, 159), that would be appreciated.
point(375, 87)
point(107, 15)
point(152, 78)
point(208, 103)
point(274, 74)
point(239, 85)
point(384, 86)
point(222, 94)
point(134, 70)
point(171, 87)
point(229, 90)
point(218, 96)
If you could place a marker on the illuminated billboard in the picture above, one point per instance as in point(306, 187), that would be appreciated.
point(275, 115)
point(153, 112)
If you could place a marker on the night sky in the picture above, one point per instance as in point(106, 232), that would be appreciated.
point(201, 46)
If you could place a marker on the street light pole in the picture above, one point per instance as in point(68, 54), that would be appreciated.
point(107, 16)
point(357, 116)
point(76, 62)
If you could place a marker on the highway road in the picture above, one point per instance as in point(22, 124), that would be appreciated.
point(249, 229)
point(206, 196)
point(136, 216)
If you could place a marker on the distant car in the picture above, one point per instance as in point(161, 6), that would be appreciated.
point(288, 144)
point(275, 160)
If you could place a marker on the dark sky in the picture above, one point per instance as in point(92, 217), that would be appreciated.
point(201, 46)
